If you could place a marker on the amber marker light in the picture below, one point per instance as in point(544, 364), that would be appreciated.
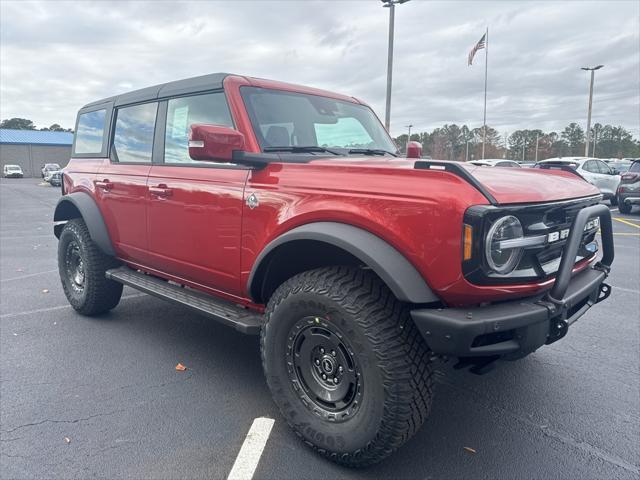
point(468, 241)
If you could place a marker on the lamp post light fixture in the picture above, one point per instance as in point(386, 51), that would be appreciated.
point(408, 136)
point(588, 139)
point(390, 4)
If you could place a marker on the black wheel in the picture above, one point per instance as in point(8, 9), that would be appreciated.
point(613, 200)
point(345, 364)
point(624, 208)
point(82, 266)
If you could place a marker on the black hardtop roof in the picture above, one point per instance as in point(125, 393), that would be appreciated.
point(202, 83)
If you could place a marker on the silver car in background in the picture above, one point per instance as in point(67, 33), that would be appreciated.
point(593, 170)
point(496, 162)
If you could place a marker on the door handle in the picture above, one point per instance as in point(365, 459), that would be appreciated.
point(161, 191)
point(105, 185)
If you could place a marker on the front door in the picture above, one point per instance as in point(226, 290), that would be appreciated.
point(121, 183)
point(194, 215)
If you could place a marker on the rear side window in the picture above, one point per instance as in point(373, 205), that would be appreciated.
point(90, 132)
point(635, 167)
point(133, 138)
point(209, 109)
point(591, 166)
point(602, 167)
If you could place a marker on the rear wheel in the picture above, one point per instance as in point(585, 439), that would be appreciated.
point(623, 207)
point(345, 364)
point(82, 266)
point(613, 200)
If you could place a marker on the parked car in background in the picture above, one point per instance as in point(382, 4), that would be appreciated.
point(495, 162)
point(12, 171)
point(55, 178)
point(49, 173)
point(526, 164)
point(49, 167)
point(593, 170)
point(629, 189)
point(620, 165)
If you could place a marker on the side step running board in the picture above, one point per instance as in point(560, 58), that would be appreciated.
point(243, 320)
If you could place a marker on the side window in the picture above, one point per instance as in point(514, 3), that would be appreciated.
point(90, 132)
point(590, 166)
point(210, 109)
point(133, 138)
point(603, 167)
point(635, 167)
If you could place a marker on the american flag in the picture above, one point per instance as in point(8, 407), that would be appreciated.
point(479, 46)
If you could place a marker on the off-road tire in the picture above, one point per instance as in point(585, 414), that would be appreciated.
point(624, 208)
point(397, 378)
point(97, 295)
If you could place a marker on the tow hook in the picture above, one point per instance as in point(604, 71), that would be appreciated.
point(604, 292)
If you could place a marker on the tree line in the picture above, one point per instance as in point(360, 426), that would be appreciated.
point(453, 142)
point(26, 124)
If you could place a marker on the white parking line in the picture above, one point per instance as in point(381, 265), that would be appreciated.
point(628, 290)
point(251, 451)
point(59, 307)
point(27, 276)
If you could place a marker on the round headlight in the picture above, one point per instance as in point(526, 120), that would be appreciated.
point(503, 259)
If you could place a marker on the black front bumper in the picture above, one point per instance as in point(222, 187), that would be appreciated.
point(516, 328)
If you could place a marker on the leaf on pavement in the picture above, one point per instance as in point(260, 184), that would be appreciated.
point(180, 367)
point(469, 449)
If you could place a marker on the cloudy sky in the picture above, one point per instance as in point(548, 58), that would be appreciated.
point(56, 56)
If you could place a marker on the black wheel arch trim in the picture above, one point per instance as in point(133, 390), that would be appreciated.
point(386, 261)
point(90, 213)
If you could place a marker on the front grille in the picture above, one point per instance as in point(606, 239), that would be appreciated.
point(536, 264)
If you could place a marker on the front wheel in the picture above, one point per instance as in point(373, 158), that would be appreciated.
point(82, 266)
point(345, 364)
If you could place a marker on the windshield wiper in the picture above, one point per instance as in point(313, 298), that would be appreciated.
point(301, 149)
point(371, 151)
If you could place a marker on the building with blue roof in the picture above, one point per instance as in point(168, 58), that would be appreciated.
point(32, 149)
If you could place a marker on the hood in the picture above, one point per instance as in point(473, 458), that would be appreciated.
point(506, 185)
point(528, 185)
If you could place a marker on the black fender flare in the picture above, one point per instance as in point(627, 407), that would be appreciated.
point(84, 204)
point(387, 262)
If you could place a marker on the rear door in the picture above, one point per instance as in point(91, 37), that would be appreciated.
point(121, 183)
point(195, 208)
point(608, 180)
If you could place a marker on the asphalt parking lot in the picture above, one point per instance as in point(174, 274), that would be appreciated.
point(86, 398)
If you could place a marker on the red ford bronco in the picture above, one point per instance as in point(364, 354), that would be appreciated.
point(287, 211)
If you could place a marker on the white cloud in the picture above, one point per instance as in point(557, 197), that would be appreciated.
point(57, 56)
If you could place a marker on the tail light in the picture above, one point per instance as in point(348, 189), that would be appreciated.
point(629, 177)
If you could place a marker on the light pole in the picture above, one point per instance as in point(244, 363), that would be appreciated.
point(391, 5)
point(408, 136)
point(537, 142)
point(586, 144)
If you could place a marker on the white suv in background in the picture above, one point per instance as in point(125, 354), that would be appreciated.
point(593, 170)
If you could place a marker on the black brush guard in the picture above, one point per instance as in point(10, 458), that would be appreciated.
point(516, 328)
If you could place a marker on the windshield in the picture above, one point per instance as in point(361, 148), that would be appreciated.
point(13, 168)
point(288, 119)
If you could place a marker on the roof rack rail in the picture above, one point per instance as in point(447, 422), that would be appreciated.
point(458, 170)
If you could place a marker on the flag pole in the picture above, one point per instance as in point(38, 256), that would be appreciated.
point(486, 66)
